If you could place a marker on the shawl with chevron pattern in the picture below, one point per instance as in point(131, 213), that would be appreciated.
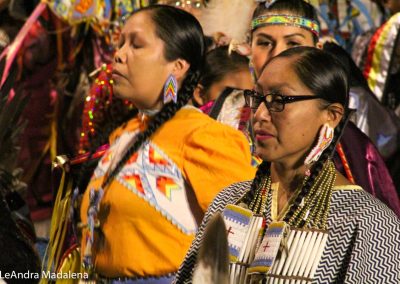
point(363, 244)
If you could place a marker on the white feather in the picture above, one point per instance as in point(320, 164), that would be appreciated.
point(202, 274)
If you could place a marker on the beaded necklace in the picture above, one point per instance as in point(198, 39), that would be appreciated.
point(314, 208)
point(313, 212)
point(273, 249)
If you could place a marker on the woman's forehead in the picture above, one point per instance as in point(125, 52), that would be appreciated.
point(282, 32)
point(277, 70)
point(279, 64)
point(138, 21)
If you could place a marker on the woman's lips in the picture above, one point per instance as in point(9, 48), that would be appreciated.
point(116, 74)
point(262, 135)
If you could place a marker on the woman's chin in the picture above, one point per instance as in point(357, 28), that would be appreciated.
point(120, 95)
point(265, 156)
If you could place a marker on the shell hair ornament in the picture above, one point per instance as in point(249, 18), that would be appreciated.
point(324, 140)
point(267, 2)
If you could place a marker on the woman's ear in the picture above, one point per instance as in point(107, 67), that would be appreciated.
point(335, 114)
point(180, 69)
point(198, 95)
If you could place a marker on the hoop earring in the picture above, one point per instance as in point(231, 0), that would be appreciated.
point(170, 89)
point(324, 140)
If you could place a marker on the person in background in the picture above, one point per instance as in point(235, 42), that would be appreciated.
point(223, 68)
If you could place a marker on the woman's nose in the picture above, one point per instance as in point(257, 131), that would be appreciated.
point(119, 56)
point(279, 48)
point(262, 113)
point(117, 59)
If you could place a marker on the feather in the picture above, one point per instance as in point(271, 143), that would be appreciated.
point(213, 259)
point(231, 17)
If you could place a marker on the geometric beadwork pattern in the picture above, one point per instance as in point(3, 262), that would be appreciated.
point(134, 181)
point(154, 177)
point(363, 244)
point(166, 185)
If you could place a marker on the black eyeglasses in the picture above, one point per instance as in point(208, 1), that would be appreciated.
point(275, 102)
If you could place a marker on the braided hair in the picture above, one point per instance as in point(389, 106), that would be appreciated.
point(106, 122)
point(325, 76)
point(291, 7)
point(183, 38)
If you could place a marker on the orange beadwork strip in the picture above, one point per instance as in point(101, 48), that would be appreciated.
point(346, 166)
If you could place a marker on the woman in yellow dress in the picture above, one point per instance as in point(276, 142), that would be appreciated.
point(150, 190)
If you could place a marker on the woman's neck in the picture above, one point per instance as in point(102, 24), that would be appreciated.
point(149, 112)
point(289, 176)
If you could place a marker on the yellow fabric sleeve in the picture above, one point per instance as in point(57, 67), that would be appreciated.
point(215, 156)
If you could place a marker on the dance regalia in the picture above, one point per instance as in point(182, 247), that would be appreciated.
point(366, 166)
point(361, 242)
point(378, 122)
point(382, 63)
point(150, 212)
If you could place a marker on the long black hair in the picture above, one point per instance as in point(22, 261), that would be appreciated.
point(219, 63)
point(326, 77)
point(183, 38)
point(292, 7)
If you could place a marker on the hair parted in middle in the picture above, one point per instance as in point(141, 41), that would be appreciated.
point(290, 7)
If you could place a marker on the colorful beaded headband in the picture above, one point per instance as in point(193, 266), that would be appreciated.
point(296, 21)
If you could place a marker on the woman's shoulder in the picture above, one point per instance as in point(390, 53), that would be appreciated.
point(351, 201)
point(236, 189)
point(198, 131)
point(230, 194)
point(194, 120)
point(129, 126)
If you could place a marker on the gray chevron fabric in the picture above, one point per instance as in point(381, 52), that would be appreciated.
point(363, 244)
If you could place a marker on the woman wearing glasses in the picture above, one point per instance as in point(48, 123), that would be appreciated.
point(283, 24)
point(300, 219)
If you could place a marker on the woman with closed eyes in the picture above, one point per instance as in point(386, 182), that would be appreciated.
point(150, 190)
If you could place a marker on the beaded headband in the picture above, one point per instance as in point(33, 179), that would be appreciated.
point(287, 20)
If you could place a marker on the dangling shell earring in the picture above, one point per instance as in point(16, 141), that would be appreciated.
point(171, 89)
point(324, 140)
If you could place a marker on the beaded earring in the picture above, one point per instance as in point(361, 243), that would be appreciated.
point(324, 140)
point(170, 89)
